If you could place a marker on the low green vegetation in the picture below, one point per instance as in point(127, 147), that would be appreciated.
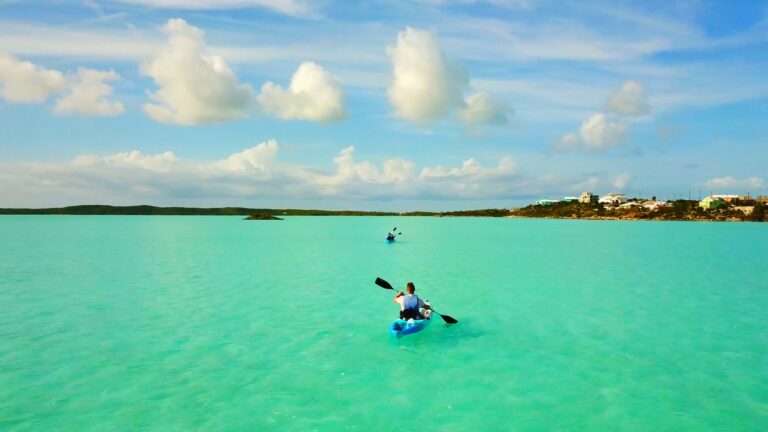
point(462, 213)
point(562, 210)
point(252, 213)
point(185, 211)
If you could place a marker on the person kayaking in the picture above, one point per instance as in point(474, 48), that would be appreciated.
point(390, 237)
point(411, 306)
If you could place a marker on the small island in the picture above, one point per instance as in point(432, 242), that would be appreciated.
point(260, 216)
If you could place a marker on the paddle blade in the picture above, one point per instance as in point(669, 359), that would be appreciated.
point(449, 319)
point(382, 283)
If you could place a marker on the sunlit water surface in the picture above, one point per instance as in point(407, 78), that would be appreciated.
point(217, 324)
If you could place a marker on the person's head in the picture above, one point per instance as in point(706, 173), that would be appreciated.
point(410, 287)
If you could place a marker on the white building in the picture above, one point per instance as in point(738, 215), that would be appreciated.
point(613, 198)
point(655, 205)
point(547, 201)
point(629, 205)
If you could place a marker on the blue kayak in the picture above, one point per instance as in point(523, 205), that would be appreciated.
point(401, 327)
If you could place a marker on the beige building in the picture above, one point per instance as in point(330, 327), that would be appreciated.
point(588, 198)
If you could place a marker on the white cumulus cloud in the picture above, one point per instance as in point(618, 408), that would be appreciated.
point(394, 171)
point(730, 182)
point(24, 82)
point(314, 94)
point(397, 170)
point(607, 129)
point(255, 173)
point(598, 132)
point(480, 108)
point(630, 100)
point(85, 93)
point(471, 168)
point(89, 95)
point(134, 158)
point(259, 158)
point(426, 84)
point(194, 86)
point(473, 179)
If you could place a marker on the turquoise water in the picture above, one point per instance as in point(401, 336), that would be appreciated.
point(216, 324)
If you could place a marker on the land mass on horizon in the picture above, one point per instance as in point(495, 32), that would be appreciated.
point(683, 210)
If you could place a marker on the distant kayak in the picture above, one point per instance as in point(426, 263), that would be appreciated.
point(392, 235)
point(401, 327)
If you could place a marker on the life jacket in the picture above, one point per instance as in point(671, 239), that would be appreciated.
point(410, 307)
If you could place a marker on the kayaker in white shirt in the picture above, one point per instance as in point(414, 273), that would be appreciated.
point(411, 305)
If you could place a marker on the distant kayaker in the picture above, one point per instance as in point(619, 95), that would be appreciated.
point(411, 304)
point(390, 237)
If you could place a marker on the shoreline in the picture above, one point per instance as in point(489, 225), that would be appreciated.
point(686, 212)
point(146, 210)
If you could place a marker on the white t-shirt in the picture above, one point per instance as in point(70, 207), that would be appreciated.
point(401, 300)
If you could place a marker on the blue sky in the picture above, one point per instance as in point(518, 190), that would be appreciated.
point(378, 104)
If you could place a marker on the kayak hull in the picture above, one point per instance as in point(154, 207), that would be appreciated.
point(401, 327)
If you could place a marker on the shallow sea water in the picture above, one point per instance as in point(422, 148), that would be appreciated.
point(218, 324)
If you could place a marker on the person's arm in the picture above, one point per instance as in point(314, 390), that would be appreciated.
point(397, 296)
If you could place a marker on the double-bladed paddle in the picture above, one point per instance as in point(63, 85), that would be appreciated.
point(386, 285)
